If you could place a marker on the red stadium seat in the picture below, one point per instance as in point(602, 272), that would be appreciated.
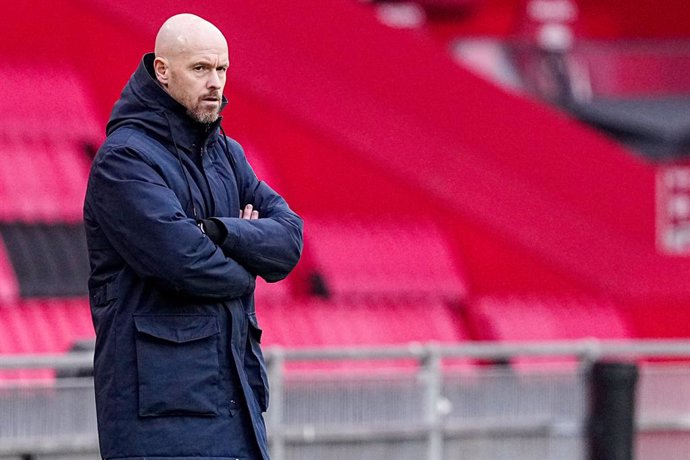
point(57, 105)
point(531, 318)
point(359, 323)
point(516, 318)
point(42, 180)
point(47, 124)
point(383, 259)
point(42, 326)
point(636, 68)
point(271, 292)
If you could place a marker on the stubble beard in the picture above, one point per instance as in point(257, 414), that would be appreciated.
point(202, 116)
point(195, 111)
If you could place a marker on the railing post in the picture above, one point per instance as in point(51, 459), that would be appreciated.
point(276, 372)
point(431, 363)
point(612, 411)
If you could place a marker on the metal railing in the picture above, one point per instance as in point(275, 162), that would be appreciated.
point(427, 401)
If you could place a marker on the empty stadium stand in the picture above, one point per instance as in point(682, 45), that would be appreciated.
point(524, 318)
point(544, 317)
point(31, 326)
point(45, 141)
point(408, 131)
point(47, 133)
point(57, 105)
point(48, 260)
point(499, 205)
point(438, 207)
point(42, 181)
point(386, 258)
point(318, 322)
point(521, 189)
point(639, 93)
point(272, 292)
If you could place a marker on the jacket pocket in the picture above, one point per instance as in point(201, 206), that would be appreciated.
point(255, 364)
point(177, 364)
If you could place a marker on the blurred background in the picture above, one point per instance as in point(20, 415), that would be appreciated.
point(496, 197)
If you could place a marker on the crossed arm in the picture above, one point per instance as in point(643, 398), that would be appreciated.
point(145, 224)
point(144, 221)
point(266, 241)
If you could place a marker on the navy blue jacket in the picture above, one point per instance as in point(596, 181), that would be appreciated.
point(179, 372)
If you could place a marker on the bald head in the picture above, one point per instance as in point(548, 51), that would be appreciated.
point(191, 62)
point(187, 32)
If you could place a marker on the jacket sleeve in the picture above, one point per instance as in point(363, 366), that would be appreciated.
point(144, 221)
point(270, 246)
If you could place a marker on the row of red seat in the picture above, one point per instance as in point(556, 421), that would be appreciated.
point(58, 104)
point(53, 325)
point(386, 281)
point(42, 180)
point(39, 326)
point(47, 125)
point(386, 258)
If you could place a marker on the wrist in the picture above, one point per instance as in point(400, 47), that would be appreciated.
point(214, 229)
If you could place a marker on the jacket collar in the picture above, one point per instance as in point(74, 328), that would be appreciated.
point(145, 104)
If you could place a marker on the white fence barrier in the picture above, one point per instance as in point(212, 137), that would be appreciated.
point(422, 401)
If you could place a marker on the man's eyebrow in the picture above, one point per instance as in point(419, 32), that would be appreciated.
point(208, 62)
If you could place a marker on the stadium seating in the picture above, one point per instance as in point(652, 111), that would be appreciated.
point(309, 323)
point(317, 322)
point(48, 260)
point(544, 318)
point(48, 130)
point(42, 180)
point(57, 105)
point(272, 292)
point(48, 127)
point(388, 259)
point(521, 318)
point(42, 326)
point(636, 68)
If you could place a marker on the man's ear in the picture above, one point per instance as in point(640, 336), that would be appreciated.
point(162, 69)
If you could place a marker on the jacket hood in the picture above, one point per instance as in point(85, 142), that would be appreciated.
point(145, 105)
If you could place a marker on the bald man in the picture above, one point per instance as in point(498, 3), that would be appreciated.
point(178, 228)
point(191, 63)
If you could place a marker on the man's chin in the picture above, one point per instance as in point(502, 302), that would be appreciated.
point(204, 117)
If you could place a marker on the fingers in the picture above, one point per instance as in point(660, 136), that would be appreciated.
point(249, 213)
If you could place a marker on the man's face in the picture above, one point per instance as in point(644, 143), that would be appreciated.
point(196, 80)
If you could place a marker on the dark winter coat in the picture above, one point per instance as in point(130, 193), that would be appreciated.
point(179, 372)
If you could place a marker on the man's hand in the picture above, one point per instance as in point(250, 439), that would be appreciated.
point(217, 232)
point(249, 213)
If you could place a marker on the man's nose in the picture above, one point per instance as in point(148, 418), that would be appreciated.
point(214, 81)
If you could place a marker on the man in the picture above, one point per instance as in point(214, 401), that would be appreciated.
point(178, 227)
